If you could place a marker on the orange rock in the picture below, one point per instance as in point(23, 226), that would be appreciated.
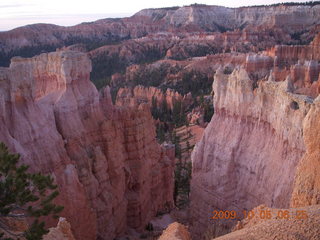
point(250, 149)
point(175, 231)
point(61, 232)
point(111, 172)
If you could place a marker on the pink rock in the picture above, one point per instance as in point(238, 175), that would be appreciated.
point(111, 172)
point(250, 149)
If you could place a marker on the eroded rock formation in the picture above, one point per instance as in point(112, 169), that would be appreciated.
point(276, 228)
point(250, 149)
point(110, 171)
point(261, 146)
point(175, 231)
point(307, 181)
point(61, 232)
point(194, 18)
point(140, 94)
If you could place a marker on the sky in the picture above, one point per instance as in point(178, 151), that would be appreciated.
point(15, 13)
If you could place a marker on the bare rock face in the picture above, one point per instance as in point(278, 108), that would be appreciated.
point(141, 94)
point(175, 231)
point(287, 54)
point(292, 228)
point(307, 181)
point(61, 232)
point(217, 17)
point(110, 171)
point(250, 149)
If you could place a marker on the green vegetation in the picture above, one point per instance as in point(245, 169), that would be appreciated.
point(93, 43)
point(169, 119)
point(227, 70)
point(89, 43)
point(182, 177)
point(176, 117)
point(179, 117)
point(150, 77)
point(183, 168)
point(24, 52)
point(195, 82)
point(24, 195)
point(310, 3)
point(208, 112)
point(104, 66)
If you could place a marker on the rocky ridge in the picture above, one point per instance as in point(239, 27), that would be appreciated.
point(110, 171)
point(254, 27)
point(214, 17)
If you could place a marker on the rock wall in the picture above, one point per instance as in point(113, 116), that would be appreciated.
point(307, 181)
point(287, 54)
point(175, 231)
point(217, 17)
point(61, 232)
point(140, 94)
point(111, 172)
point(277, 228)
point(250, 149)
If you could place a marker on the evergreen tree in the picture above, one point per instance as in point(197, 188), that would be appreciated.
point(24, 195)
point(208, 112)
point(165, 112)
point(154, 108)
point(176, 111)
point(160, 133)
point(176, 142)
point(179, 116)
point(188, 145)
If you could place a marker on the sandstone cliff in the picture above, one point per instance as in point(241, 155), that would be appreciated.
point(277, 228)
point(307, 181)
point(287, 54)
point(61, 232)
point(140, 94)
point(250, 149)
point(175, 231)
point(110, 171)
point(216, 17)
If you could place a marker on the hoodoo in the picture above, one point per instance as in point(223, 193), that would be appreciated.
point(111, 172)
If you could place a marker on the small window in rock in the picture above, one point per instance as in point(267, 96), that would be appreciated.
point(294, 105)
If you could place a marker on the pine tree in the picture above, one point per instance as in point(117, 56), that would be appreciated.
point(188, 146)
point(154, 108)
point(24, 195)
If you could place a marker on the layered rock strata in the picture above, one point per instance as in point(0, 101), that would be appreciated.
point(286, 54)
point(293, 228)
point(251, 148)
point(307, 181)
point(195, 18)
point(175, 231)
point(140, 94)
point(61, 232)
point(110, 171)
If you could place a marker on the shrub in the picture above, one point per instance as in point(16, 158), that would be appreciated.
point(24, 195)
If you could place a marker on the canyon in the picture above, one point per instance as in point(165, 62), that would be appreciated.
point(88, 115)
